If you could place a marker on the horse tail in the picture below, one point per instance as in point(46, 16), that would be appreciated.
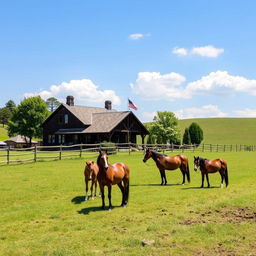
point(188, 174)
point(226, 176)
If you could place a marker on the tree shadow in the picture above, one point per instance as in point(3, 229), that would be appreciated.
point(78, 199)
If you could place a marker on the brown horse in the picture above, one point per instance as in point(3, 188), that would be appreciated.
point(211, 166)
point(90, 173)
point(164, 162)
point(117, 173)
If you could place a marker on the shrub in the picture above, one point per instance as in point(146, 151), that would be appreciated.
point(110, 147)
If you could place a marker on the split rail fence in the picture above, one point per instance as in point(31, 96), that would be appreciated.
point(41, 153)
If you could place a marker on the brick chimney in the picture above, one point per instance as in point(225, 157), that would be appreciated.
point(108, 105)
point(70, 100)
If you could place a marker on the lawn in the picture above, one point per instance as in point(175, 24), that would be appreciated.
point(43, 212)
point(3, 133)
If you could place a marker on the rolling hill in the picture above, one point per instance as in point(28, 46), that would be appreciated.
point(225, 130)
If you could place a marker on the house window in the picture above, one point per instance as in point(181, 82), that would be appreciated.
point(66, 118)
point(63, 139)
point(53, 139)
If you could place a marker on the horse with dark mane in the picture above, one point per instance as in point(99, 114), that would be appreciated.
point(211, 166)
point(164, 162)
point(117, 173)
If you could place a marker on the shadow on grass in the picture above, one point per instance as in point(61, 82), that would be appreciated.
point(78, 199)
point(88, 210)
point(201, 188)
point(155, 185)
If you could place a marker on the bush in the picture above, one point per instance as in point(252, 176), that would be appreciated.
point(110, 147)
point(196, 133)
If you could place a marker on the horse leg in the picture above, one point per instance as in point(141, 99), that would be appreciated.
point(122, 190)
point(126, 190)
point(95, 187)
point(92, 189)
point(162, 178)
point(86, 190)
point(183, 174)
point(202, 179)
point(102, 196)
point(222, 178)
point(207, 178)
point(109, 197)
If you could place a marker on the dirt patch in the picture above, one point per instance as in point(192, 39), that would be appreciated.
point(222, 215)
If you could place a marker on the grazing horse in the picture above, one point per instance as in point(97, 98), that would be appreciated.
point(164, 162)
point(90, 173)
point(117, 173)
point(211, 166)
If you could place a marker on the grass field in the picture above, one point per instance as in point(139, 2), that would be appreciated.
point(43, 212)
point(3, 133)
point(225, 130)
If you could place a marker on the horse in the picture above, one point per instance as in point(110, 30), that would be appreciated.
point(164, 162)
point(117, 173)
point(211, 166)
point(90, 173)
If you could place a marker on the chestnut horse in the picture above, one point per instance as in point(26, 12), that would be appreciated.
point(211, 166)
point(164, 162)
point(117, 173)
point(90, 173)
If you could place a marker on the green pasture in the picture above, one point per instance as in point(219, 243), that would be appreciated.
point(3, 133)
point(225, 130)
point(43, 212)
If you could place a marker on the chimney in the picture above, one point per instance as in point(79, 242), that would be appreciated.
point(108, 105)
point(70, 100)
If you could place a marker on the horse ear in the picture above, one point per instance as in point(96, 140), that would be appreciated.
point(194, 157)
point(92, 162)
point(100, 151)
point(106, 152)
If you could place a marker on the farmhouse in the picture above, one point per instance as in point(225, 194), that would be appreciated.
point(19, 142)
point(70, 124)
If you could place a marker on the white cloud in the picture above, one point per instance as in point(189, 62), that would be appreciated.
point(204, 51)
point(202, 112)
point(246, 112)
point(137, 36)
point(83, 90)
point(153, 85)
point(148, 116)
point(207, 51)
point(180, 51)
point(222, 83)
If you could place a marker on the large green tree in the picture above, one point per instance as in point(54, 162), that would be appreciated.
point(5, 115)
point(165, 128)
point(10, 105)
point(196, 133)
point(186, 137)
point(28, 117)
point(52, 103)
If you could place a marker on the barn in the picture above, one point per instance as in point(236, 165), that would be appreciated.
point(70, 124)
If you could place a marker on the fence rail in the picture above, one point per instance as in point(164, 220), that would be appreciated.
point(13, 155)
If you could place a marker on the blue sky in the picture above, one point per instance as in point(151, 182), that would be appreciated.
point(195, 58)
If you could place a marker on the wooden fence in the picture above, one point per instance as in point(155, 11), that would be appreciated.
point(39, 153)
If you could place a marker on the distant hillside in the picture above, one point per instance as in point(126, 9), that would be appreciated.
point(225, 130)
point(3, 133)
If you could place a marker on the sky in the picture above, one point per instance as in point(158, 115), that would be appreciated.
point(194, 58)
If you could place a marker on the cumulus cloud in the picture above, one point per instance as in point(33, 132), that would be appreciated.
point(208, 51)
point(246, 112)
point(153, 85)
point(148, 116)
point(222, 83)
point(137, 36)
point(83, 90)
point(204, 111)
point(180, 51)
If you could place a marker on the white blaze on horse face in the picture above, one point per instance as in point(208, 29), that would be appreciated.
point(105, 161)
point(195, 166)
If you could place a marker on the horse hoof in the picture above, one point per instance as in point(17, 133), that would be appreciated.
point(221, 185)
point(110, 209)
point(92, 198)
point(86, 198)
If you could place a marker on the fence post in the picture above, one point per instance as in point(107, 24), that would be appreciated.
point(81, 150)
point(35, 153)
point(203, 148)
point(211, 147)
point(60, 152)
point(172, 146)
point(8, 154)
point(224, 148)
point(231, 148)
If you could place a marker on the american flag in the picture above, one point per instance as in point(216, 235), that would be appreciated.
point(132, 105)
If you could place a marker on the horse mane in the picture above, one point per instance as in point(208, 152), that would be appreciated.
point(201, 159)
point(158, 154)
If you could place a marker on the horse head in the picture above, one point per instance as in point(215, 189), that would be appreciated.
point(102, 160)
point(89, 169)
point(148, 154)
point(196, 163)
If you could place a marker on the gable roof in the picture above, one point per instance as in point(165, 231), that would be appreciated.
point(19, 139)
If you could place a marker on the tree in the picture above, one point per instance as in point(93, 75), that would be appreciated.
point(5, 115)
point(165, 128)
point(28, 117)
point(52, 103)
point(186, 137)
point(196, 133)
point(10, 105)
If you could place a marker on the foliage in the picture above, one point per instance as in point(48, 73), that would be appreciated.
point(5, 115)
point(186, 137)
point(43, 211)
point(10, 105)
point(165, 128)
point(196, 133)
point(52, 103)
point(28, 117)
point(108, 146)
